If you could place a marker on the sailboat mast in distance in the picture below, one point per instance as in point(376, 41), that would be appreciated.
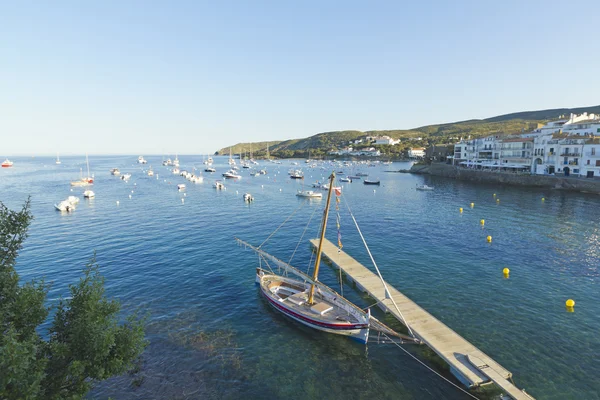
point(323, 227)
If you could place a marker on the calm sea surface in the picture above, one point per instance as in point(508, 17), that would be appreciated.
point(213, 337)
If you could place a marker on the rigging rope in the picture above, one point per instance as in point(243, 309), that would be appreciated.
point(387, 292)
point(428, 367)
point(283, 223)
point(302, 236)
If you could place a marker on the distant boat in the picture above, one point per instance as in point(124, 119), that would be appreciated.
point(346, 179)
point(309, 194)
point(248, 198)
point(423, 187)
point(89, 180)
point(210, 169)
point(150, 172)
point(7, 163)
point(181, 186)
point(67, 205)
point(231, 174)
point(371, 182)
point(88, 194)
point(57, 159)
point(141, 160)
point(219, 185)
point(361, 174)
point(115, 171)
point(125, 176)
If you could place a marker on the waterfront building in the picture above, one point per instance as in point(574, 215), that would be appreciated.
point(416, 152)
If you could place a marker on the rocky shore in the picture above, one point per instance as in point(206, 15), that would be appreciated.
point(508, 178)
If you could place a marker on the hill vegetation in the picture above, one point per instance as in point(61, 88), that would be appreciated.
point(319, 145)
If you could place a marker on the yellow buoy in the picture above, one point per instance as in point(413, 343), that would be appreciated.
point(570, 303)
point(460, 210)
point(494, 194)
point(497, 200)
point(489, 239)
point(506, 271)
point(482, 222)
point(543, 199)
point(472, 205)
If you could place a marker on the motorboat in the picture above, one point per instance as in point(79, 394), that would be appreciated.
point(125, 176)
point(296, 175)
point(248, 198)
point(346, 179)
point(115, 171)
point(167, 163)
point(181, 186)
point(7, 163)
point(150, 172)
point(141, 160)
point(361, 174)
point(88, 194)
point(210, 169)
point(424, 187)
point(372, 182)
point(231, 174)
point(309, 194)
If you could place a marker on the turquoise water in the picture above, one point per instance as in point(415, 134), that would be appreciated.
point(212, 336)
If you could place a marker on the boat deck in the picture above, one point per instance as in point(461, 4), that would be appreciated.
point(469, 364)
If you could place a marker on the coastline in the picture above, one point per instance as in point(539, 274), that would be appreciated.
point(575, 184)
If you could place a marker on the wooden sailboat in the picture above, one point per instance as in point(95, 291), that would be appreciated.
point(312, 303)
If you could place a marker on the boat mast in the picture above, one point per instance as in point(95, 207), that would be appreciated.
point(323, 227)
point(88, 165)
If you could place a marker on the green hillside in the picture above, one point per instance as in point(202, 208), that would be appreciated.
point(318, 145)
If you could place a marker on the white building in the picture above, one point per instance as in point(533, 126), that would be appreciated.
point(386, 140)
point(417, 152)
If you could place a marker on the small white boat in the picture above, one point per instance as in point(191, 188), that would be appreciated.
point(88, 194)
point(231, 174)
point(125, 176)
point(423, 187)
point(115, 171)
point(150, 172)
point(181, 186)
point(167, 162)
point(57, 159)
point(248, 198)
point(210, 169)
point(310, 194)
point(64, 205)
point(141, 160)
point(219, 185)
point(346, 179)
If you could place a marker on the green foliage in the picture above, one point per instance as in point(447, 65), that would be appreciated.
point(430, 134)
point(86, 344)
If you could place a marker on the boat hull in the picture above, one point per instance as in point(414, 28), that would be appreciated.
point(357, 331)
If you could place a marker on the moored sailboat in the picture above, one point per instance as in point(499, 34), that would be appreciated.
point(312, 303)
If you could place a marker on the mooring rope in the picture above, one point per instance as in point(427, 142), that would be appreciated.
point(428, 367)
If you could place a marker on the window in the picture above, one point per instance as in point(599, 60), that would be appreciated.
point(597, 163)
point(593, 151)
point(588, 163)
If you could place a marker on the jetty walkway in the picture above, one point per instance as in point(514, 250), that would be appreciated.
point(469, 364)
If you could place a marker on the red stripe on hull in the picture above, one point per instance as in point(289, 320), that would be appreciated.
point(286, 310)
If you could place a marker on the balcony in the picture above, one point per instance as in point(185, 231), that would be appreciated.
point(570, 163)
point(570, 155)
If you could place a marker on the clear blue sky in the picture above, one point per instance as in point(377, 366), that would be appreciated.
point(190, 77)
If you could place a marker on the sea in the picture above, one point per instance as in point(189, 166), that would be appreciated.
point(171, 255)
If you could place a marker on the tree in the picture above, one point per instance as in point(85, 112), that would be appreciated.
point(86, 343)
